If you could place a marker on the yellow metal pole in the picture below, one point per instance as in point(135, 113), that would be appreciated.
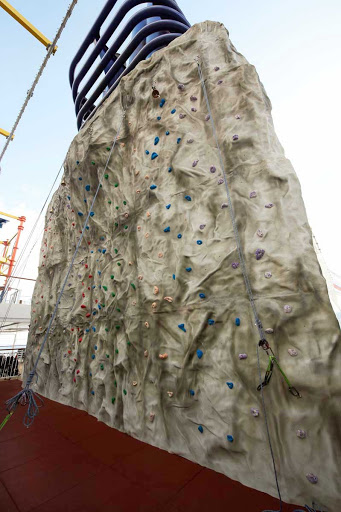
point(26, 24)
point(8, 214)
point(4, 132)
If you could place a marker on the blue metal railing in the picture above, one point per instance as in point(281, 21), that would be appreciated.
point(152, 27)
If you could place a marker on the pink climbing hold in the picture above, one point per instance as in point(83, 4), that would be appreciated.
point(312, 478)
point(242, 356)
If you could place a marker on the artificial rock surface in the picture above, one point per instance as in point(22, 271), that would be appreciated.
point(131, 285)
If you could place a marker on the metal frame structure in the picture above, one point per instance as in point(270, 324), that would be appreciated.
point(5, 133)
point(161, 22)
point(5, 259)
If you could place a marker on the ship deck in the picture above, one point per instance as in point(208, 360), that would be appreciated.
point(67, 461)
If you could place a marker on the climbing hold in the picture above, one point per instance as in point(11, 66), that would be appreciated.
point(182, 116)
point(193, 109)
point(158, 118)
point(179, 235)
point(230, 438)
point(292, 352)
point(112, 294)
point(267, 275)
point(224, 205)
point(116, 185)
point(220, 181)
point(242, 356)
point(301, 434)
point(212, 169)
point(147, 152)
point(87, 187)
point(269, 205)
point(162, 102)
point(105, 288)
point(173, 111)
point(168, 206)
point(193, 98)
point(80, 178)
point(154, 155)
point(93, 356)
point(287, 308)
point(202, 295)
point(254, 412)
point(191, 392)
point(199, 353)
point(167, 229)
point(125, 391)
point(216, 68)
point(202, 226)
point(113, 400)
point(80, 214)
point(237, 116)
point(200, 428)
point(188, 269)
point(92, 214)
point(134, 383)
point(146, 324)
point(207, 117)
point(174, 277)
point(106, 176)
point(163, 356)
point(133, 286)
point(269, 330)
point(178, 140)
point(194, 164)
point(260, 233)
point(210, 321)
point(168, 299)
point(156, 141)
point(102, 367)
point(219, 82)
point(170, 394)
point(181, 87)
point(182, 327)
point(253, 194)
point(92, 392)
point(235, 137)
point(169, 169)
point(230, 384)
point(199, 242)
point(188, 198)
point(190, 141)
point(151, 417)
point(235, 264)
point(153, 187)
point(167, 132)
point(237, 321)
point(312, 478)
point(259, 253)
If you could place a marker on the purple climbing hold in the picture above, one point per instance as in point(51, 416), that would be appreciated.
point(207, 117)
point(287, 308)
point(269, 205)
point(181, 87)
point(312, 478)
point(235, 137)
point(212, 169)
point(242, 356)
point(216, 68)
point(237, 116)
point(202, 226)
point(220, 181)
point(193, 109)
point(259, 253)
point(219, 82)
point(253, 194)
point(195, 163)
point(182, 116)
point(224, 205)
point(190, 141)
point(301, 434)
point(235, 264)
point(193, 98)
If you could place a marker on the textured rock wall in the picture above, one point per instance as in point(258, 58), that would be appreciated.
point(147, 337)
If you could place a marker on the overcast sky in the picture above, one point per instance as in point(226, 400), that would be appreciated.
point(295, 46)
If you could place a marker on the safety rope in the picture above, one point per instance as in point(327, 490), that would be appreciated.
point(26, 395)
point(40, 72)
point(245, 274)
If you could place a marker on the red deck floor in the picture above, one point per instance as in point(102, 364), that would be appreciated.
point(70, 462)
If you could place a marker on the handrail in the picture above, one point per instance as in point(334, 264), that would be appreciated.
point(156, 43)
point(171, 23)
point(147, 12)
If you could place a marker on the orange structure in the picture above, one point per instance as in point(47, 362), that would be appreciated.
point(7, 260)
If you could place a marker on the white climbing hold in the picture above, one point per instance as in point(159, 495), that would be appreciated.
point(292, 352)
point(287, 308)
point(267, 275)
point(146, 324)
point(301, 434)
point(168, 299)
point(170, 394)
point(254, 412)
point(260, 233)
point(269, 330)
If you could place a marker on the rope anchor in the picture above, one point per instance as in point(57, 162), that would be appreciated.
point(268, 374)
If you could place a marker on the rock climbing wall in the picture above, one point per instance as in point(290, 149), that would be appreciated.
point(154, 334)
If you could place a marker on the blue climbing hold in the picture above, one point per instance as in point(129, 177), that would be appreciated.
point(153, 187)
point(179, 235)
point(87, 227)
point(178, 140)
point(92, 392)
point(173, 111)
point(94, 312)
point(77, 162)
point(170, 169)
point(99, 250)
point(191, 392)
point(80, 214)
point(174, 277)
point(199, 242)
point(210, 321)
point(156, 140)
point(200, 353)
point(147, 152)
point(99, 272)
point(90, 374)
point(93, 286)
point(69, 197)
point(200, 428)
point(99, 306)
point(93, 356)
point(168, 206)
point(94, 328)
point(87, 330)
point(162, 102)
point(96, 347)
point(158, 118)
point(167, 132)
point(85, 201)
point(188, 198)
point(182, 327)
point(87, 187)
point(230, 439)
point(92, 214)
point(154, 155)
point(202, 295)
point(167, 230)
point(188, 269)
point(230, 384)
point(104, 251)
point(80, 178)
point(237, 322)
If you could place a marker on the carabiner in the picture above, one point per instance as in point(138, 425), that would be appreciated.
point(294, 392)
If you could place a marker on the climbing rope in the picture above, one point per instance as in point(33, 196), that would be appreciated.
point(40, 72)
point(245, 274)
point(26, 395)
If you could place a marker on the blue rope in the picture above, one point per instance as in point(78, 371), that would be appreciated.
point(245, 274)
point(26, 396)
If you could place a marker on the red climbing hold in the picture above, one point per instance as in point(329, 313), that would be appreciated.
point(83, 295)
point(78, 372)
point(86, 265)
point(87, 315)
point(83, 305)
point(80, 339)
point(69, 351)
point(90, 276)
point(72, 329)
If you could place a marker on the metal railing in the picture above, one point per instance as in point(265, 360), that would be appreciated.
point(11, 362)
point(152, 27)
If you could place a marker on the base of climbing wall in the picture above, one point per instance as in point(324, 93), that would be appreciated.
point(70, 461)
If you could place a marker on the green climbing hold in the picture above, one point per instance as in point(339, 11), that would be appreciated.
point(109, 202)
point(115, 383)
point(113, 400)
point(108, 148)
point(100, 185)
point(116, 350)
point(117, 327)
point(117, 207)
point(124, 202)
point(112, 294)
point(118, 263)
point(133, 286)
point(128, 343)
point(118, 309)
point(102, 367)
point(116, 184)
point(103, 305)
point(116, 224)
point(112, 277)
point(93, 163)
point(125, 391)
point(106, 176)
point(105, 288)
point(107, 355)
point(116, 251)
point(106, 329)
point(125, 227)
